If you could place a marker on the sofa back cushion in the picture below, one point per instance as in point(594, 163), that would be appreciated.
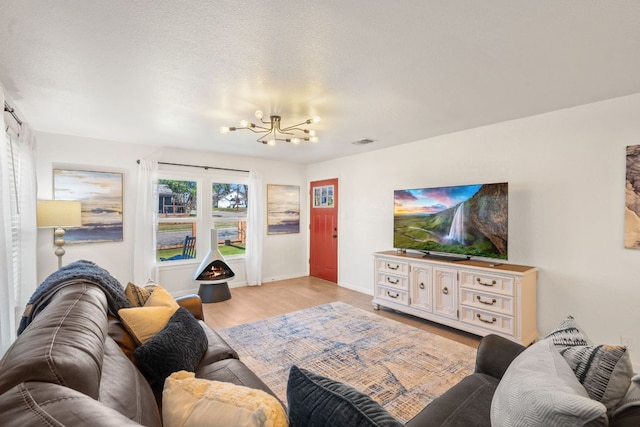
point(63, 345)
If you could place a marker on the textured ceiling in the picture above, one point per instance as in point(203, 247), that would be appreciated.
point(171, 73)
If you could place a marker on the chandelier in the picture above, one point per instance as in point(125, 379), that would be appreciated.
point(274, 132)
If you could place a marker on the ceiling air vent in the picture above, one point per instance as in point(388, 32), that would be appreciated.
point(364, 141)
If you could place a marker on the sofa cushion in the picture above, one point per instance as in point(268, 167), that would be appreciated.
point(145, 322)
point(48, 404)
point(66, 338)
point(179, 346)
point(465, 404)
point(316, 401)
point(232, 371)
point(540, 389)
point(124, 388)
point(190, 401)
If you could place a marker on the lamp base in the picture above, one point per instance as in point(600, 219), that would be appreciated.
point(59, 242)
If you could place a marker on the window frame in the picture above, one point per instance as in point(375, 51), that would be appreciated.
point(203, 220)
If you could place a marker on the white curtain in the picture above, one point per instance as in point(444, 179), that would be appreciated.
point(17, 225)
point(255, 230)
point(27, 193)
point(144, 248)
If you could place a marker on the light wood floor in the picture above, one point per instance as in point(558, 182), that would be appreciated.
point(248, 304)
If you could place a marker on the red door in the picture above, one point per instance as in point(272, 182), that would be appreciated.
point(323, 250)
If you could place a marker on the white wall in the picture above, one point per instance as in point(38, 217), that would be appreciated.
point(282, 255)
point(566, 178)
point(566, 174)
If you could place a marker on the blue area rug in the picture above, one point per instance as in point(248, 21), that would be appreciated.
point(401, 367)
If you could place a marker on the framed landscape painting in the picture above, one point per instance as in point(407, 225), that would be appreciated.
point(100, 197)
point(283, 209)
point(632, 199)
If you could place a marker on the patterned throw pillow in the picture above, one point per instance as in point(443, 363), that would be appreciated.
point(137, 295)
point(605, 371)
point(568, 333)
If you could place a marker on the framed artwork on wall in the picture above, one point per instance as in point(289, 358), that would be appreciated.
point(283, 209)
point(100, 197)
point(632, 199)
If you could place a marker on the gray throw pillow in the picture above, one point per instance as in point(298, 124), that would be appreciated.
point(540, 389)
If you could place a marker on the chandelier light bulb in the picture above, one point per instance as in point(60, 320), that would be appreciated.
point(224, 129)
point(316, 119)
point(244, 123)
point(312, 132)
point(313, 139)
point(295, 140)
point(259, 114)
point(271, 142)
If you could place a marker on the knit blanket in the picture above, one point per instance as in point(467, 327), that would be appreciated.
point(72, 273)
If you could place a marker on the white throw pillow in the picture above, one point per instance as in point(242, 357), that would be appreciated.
point(540, 389)
point(191, 402)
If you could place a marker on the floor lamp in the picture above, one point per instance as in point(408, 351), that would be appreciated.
point(57, 214)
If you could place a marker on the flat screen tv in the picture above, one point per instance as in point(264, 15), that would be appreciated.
point(465, 220)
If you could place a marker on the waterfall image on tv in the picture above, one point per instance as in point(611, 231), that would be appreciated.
point(467, 220)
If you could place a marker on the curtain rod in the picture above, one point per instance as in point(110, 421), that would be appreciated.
point(9, 109)
point(198, 166)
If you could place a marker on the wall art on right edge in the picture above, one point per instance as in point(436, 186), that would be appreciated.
point(632, 199)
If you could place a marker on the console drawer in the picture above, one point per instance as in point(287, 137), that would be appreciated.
point(392, 295)
point(487, 320)
point(392, 266)
point(391, 281)
point(487, 282)
point(487, 301)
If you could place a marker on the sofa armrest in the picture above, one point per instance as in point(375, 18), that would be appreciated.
point(193, 304)
point(495, 354)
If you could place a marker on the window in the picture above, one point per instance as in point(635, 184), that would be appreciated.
point(229, 214)
point(182, 219)
point(177, 219)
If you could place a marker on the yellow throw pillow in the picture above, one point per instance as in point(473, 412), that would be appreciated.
point(189, 401)
point(145, 322)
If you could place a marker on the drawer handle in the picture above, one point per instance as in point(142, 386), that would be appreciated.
point(393, 268)
point(392, 296)
point(480, 282)
point(421, 285)
point(493, 320)
point(493, 301)
point(393, 282)
point(445, 290)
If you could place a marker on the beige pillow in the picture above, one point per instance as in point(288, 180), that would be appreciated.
point(143, 323)
point(189, 401)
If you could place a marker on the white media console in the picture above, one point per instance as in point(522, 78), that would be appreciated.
point(474, 296)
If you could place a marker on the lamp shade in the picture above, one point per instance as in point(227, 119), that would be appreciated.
point(58, 213)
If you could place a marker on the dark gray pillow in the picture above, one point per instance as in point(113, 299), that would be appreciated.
point(316, 401)
point(177, 347)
